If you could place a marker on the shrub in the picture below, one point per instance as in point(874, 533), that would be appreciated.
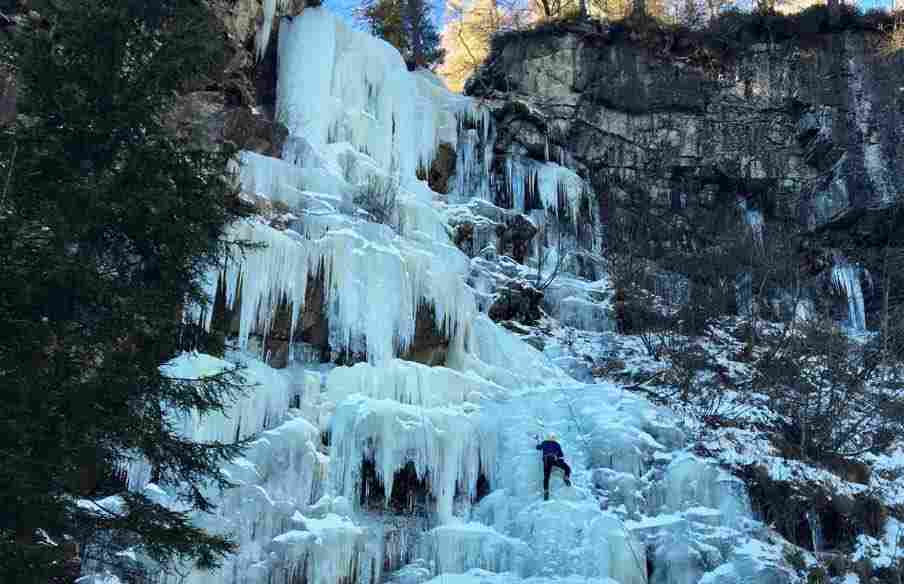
point(379, 198)
point(840, 398)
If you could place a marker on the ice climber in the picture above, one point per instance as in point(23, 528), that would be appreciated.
point(552, 456)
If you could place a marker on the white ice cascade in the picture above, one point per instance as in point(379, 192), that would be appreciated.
point(846, 279)
point(472, 176)
point(753, 217)
point(354, 111)
point(536, 188)
point(265, 27)
point(395, 471)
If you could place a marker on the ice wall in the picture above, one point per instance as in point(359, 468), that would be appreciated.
point(325, 433)
point(550, 188)
point(338, 85)
point(374, 282)
point(446, 445)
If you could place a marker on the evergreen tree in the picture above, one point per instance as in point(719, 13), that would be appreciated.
point(107, 224)
point(408, 26)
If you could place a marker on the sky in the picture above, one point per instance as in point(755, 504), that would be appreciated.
point(345, 8)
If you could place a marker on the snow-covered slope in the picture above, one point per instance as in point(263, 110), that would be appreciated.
point(391, 470)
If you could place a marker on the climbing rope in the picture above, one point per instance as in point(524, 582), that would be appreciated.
point(581, 436)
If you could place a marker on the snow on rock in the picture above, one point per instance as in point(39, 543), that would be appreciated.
point(885, 551)
point(459, 547)
point(408, 383)
point(321, 551)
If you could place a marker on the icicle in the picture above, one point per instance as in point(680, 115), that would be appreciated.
point(846, 278)
point(472, 173)
point(744, 293)
point(362, 94)
point(394, 274)
point(753, 218)
point(445, 444)
point(262, 39)
point(815, 530)
point(460, 547)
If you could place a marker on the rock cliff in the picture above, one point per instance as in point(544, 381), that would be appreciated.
point(803, 128)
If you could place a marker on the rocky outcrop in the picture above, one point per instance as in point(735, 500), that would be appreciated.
point(430, 344)
point(249, 77)
point(442, 169)
point(515, 235)
point(483, 224)
point(518, 301)
point(250, 130)
point(687, 128)
point(808, 124)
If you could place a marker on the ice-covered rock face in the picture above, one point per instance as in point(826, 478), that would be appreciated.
point(395, 471)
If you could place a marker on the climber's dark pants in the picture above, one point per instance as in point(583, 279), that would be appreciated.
point(548, 463)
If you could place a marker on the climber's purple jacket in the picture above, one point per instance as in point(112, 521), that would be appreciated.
point(551, 448)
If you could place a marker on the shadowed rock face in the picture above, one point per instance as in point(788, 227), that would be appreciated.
point(312, 327)
point(515, 236)
point(806, 131)
point(816, 126)
point(7, 98)
point(518, 301)
point(442, 169)
point(430, 345)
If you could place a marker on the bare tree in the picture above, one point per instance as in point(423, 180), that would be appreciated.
point(378, 197)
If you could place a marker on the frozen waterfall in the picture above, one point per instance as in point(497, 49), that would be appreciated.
point(394, 471)
point(846, 279)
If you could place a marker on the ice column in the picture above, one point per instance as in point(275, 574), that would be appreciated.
point(339, 85)
point(846, 278)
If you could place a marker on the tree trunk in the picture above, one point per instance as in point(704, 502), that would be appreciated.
point(640, 8)
point(834, 11)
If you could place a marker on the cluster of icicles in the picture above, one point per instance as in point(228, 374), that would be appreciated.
point(354, 113)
